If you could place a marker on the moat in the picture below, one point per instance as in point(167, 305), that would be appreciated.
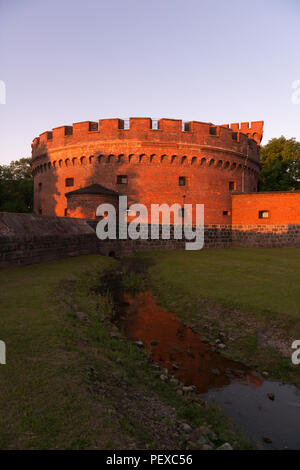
point(267, 412)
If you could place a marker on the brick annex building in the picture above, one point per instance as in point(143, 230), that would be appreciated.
point(78, 167)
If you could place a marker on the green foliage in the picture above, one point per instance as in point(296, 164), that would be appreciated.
point(280, 159)
point(16, 186)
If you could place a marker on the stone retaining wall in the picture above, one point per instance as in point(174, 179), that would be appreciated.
point(29, 238)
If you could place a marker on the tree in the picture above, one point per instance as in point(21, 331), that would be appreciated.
point(16, 186)
point(280, 159)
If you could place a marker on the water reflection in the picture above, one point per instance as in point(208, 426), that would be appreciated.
point(238, 390)
point(179, 348)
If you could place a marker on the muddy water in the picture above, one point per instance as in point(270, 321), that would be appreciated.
point(237, 389)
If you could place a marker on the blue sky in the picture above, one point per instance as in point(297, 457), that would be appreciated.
point(218, 61)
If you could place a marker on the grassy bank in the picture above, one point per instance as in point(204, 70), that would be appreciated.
point(246, 299)
point(72, 382)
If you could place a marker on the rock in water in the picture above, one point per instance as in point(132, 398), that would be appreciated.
point(225, 446)
point(186, 427)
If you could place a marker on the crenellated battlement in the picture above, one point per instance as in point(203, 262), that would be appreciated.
point(237, 137)
point(254, 131)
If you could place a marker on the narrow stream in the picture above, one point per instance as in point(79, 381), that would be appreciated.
point(238, 390)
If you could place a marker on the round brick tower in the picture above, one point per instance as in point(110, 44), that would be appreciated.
point(158, 162)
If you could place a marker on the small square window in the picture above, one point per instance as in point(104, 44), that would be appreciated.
point(232, 185)
point(263, 214)
point(69, 181)
point(226, 213)
point(182, 181)
point(122, 179)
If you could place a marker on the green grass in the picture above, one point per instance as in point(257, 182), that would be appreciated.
point(36, 399)
point(243, 292)
point(68, 384)
point(257, 279)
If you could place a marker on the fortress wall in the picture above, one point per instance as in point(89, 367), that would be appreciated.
point(84, 205)
point(281, 207)
point(140, 129)
point(155, 181)
point(266, 236)
point(28, 239)
point(153, 160)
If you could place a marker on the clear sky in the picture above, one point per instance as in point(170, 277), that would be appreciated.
point(65, 61)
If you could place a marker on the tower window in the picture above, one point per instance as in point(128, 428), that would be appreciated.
point(232, 185)
point(40, 186)
point(226, 213)
point(66, 212)
point(263, 214)
point(69, 181)
point(40, 211)
point(122, 179)
point(182, 181)
point(181, 212)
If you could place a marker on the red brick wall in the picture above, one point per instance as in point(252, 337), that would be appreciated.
point(208, 156)
point(283, 207)
point(84, 206)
